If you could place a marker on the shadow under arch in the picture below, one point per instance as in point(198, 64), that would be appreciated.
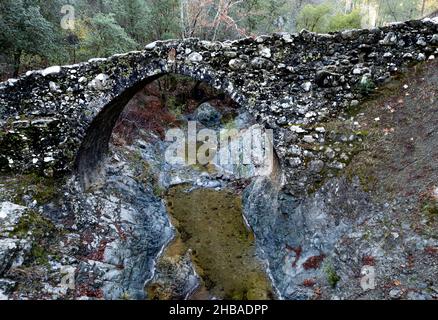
point(88, 162)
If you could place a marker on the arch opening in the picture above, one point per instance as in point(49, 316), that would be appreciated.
point(95, 144)
point(88, 161)
point(155, 105)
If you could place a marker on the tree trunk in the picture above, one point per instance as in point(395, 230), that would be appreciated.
point(182, 8)
point(423, 6)
point(17, 63)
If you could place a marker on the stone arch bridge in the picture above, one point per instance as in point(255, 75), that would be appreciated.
point(59, 120)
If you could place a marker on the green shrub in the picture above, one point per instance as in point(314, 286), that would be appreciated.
point(366, 86)
point(331, 275)
point(314, 17)
point(347, 21)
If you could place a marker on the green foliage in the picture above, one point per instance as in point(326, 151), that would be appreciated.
point(331, 275)
point(341, 21)
point(132, 16)
point(158, 190)
point(125, 296)
point(106, 37)
point(31, 36)
point(399, 10)
point(324, 18)
point(23, 29)
point(163, 19)
point(266, 15)
point(366, 86)
point(174, 107)
point(430, 208)
point(314, 17)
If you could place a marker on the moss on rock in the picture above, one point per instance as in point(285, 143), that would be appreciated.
point(42, 233)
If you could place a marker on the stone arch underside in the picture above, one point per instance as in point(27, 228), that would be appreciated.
point(98, 133)
point(52, 117)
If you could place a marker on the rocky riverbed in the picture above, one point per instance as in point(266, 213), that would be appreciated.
point(212, 232)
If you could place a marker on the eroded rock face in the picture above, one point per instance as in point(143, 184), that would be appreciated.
point(104, 243)
point(123, 226)
point(175, 279)
point(10, 249)
point(323, 246)
point(368, 231)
